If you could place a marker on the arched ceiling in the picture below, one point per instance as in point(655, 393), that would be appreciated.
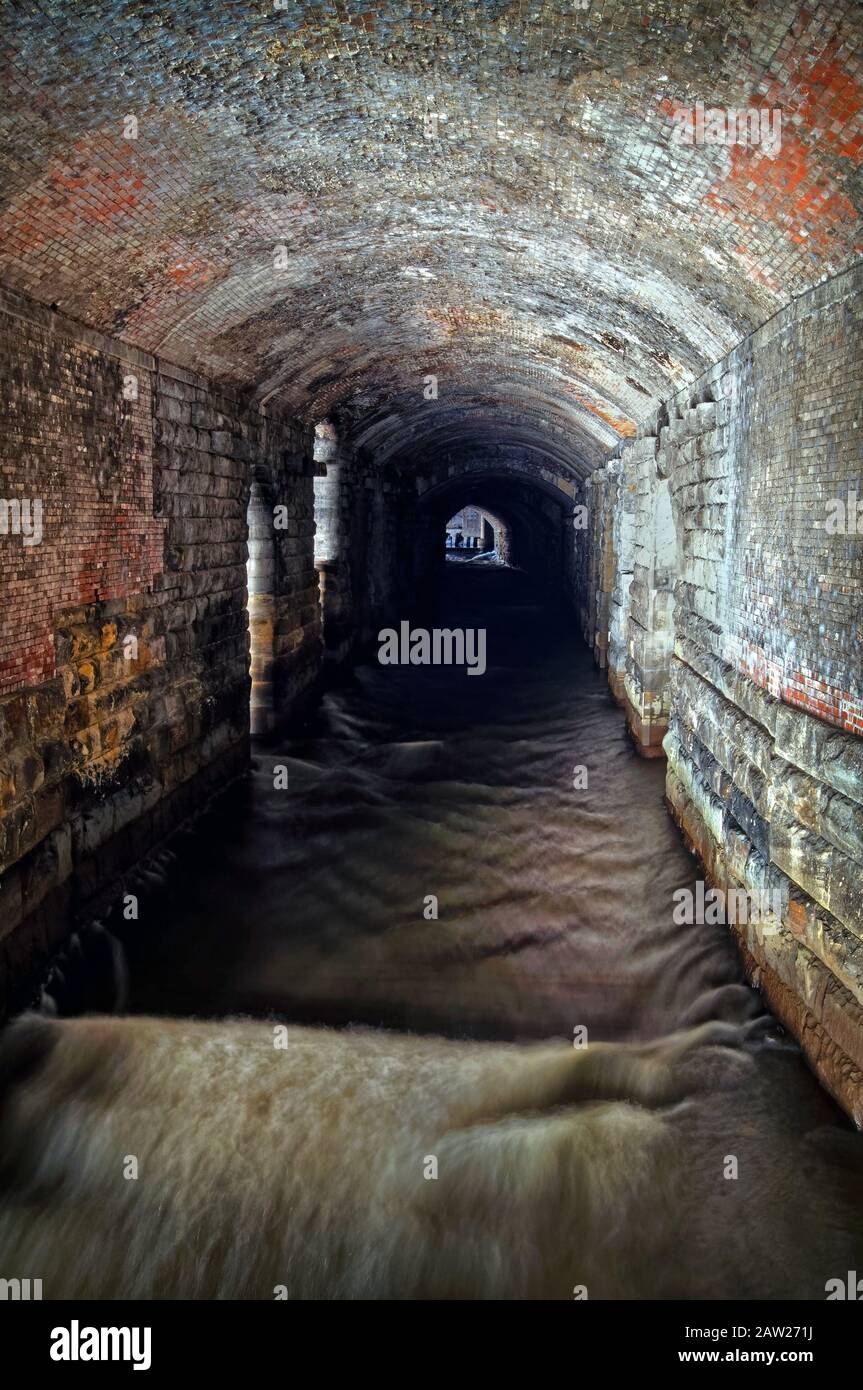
point(489, 194)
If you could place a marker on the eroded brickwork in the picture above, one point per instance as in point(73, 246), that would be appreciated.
point(127, 687)
point(76, 438)
point(744, 615)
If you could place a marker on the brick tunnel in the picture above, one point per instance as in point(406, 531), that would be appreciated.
point(284, 288)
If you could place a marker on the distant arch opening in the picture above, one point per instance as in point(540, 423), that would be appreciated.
point(474, 534)
point(529, 525)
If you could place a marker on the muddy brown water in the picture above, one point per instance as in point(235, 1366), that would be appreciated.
point(554, 913)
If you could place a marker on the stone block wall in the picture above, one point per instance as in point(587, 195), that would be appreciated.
point(607, 570)
point(647, 604)
point(364, 546)
point(124, 700)
point(341, 544)
point(383, 554)
point(750, 603)
point(589, 554)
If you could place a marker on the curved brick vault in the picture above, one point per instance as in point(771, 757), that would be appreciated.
point(382, 260)
point(486, 193)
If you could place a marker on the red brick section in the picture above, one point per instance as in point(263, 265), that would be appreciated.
point(103, 752)
point(803, 689)
point(69, 438)
point(820, 99)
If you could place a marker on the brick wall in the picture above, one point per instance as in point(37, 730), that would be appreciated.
point(741, 615)
point(76, 434)
point(795, 429)
point(124, 632)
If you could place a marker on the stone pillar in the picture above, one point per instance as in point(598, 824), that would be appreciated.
point(649, 633)
point(333, 535)
point(616, 570)
point(261, 571)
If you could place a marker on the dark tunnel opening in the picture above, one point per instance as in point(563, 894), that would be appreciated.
point(536, 527)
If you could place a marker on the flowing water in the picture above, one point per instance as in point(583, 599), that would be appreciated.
point(554, 913)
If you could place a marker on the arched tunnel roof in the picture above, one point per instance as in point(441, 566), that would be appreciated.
point(484, 487)
point(491, 194)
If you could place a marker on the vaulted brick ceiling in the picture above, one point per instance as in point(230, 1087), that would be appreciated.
point(489, 193)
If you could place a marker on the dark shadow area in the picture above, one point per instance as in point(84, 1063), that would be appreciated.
point(527, 525)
